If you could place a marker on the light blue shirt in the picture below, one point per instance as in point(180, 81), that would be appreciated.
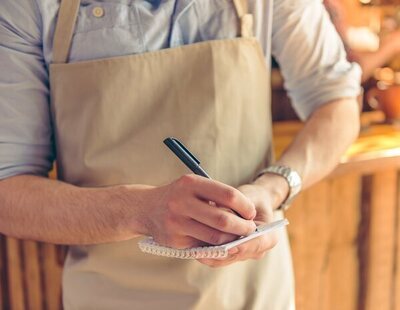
point(304, 42)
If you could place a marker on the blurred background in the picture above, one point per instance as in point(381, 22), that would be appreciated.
point(370, 30)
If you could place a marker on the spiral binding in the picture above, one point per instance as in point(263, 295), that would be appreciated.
point(149, 246)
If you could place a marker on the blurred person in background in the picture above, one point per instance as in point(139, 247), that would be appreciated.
point(362, 45)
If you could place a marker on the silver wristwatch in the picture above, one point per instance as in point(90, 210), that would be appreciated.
point(293, 179)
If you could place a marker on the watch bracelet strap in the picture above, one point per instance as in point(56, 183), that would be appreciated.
point(290, 197)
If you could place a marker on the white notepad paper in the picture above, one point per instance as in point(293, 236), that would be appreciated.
point(148, 245)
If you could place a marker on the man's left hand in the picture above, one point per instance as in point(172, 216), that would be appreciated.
point(265, 202)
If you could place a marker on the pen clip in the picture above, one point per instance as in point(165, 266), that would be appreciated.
point(184, 149)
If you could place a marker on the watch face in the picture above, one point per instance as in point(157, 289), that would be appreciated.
point(294, 181)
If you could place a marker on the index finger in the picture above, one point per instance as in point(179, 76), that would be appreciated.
point(224, 195)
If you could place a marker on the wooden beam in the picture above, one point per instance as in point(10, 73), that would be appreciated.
point(381, 242)
point(4, 304)
point(52, 273)
point(15, 275)
point(32, 276)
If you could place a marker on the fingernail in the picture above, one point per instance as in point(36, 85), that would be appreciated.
point(233, 251)
point(253, 213)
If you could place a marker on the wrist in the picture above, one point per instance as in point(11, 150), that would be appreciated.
point(128, 204)
point(293, 181)
point(276, 185)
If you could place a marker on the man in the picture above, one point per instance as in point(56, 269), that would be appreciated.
point(109, 80)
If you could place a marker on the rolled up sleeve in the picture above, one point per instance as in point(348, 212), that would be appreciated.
point(25, 128)
point(311, 56)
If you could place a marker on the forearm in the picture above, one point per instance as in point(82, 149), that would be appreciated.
point(327, 134)
point(41, 209)
point(317, 149)
point(176, 214)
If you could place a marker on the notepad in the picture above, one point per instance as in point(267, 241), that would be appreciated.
point(148, 245)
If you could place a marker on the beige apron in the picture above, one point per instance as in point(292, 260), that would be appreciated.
point(110, 117)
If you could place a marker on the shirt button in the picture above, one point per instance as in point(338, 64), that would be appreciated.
point(98, 11)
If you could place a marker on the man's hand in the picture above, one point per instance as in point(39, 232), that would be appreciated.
point(181, 216)
point(264, 193)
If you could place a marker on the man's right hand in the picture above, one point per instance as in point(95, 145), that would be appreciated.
point(180, 214)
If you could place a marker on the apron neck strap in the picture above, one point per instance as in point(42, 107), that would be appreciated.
point(67, 16)
point(246, 19)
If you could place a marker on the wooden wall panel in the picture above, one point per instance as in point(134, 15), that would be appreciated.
point(342, 259)
point(396, 269)
point(381, 242)
point(323, 231)
point(34, 273)
point(309, 235)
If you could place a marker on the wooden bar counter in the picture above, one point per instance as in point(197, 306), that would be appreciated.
point(344, 233)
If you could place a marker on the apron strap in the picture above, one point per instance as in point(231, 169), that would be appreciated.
point(246, 19)
point(67, 16)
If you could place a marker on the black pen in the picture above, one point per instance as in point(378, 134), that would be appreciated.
point(185, 156)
